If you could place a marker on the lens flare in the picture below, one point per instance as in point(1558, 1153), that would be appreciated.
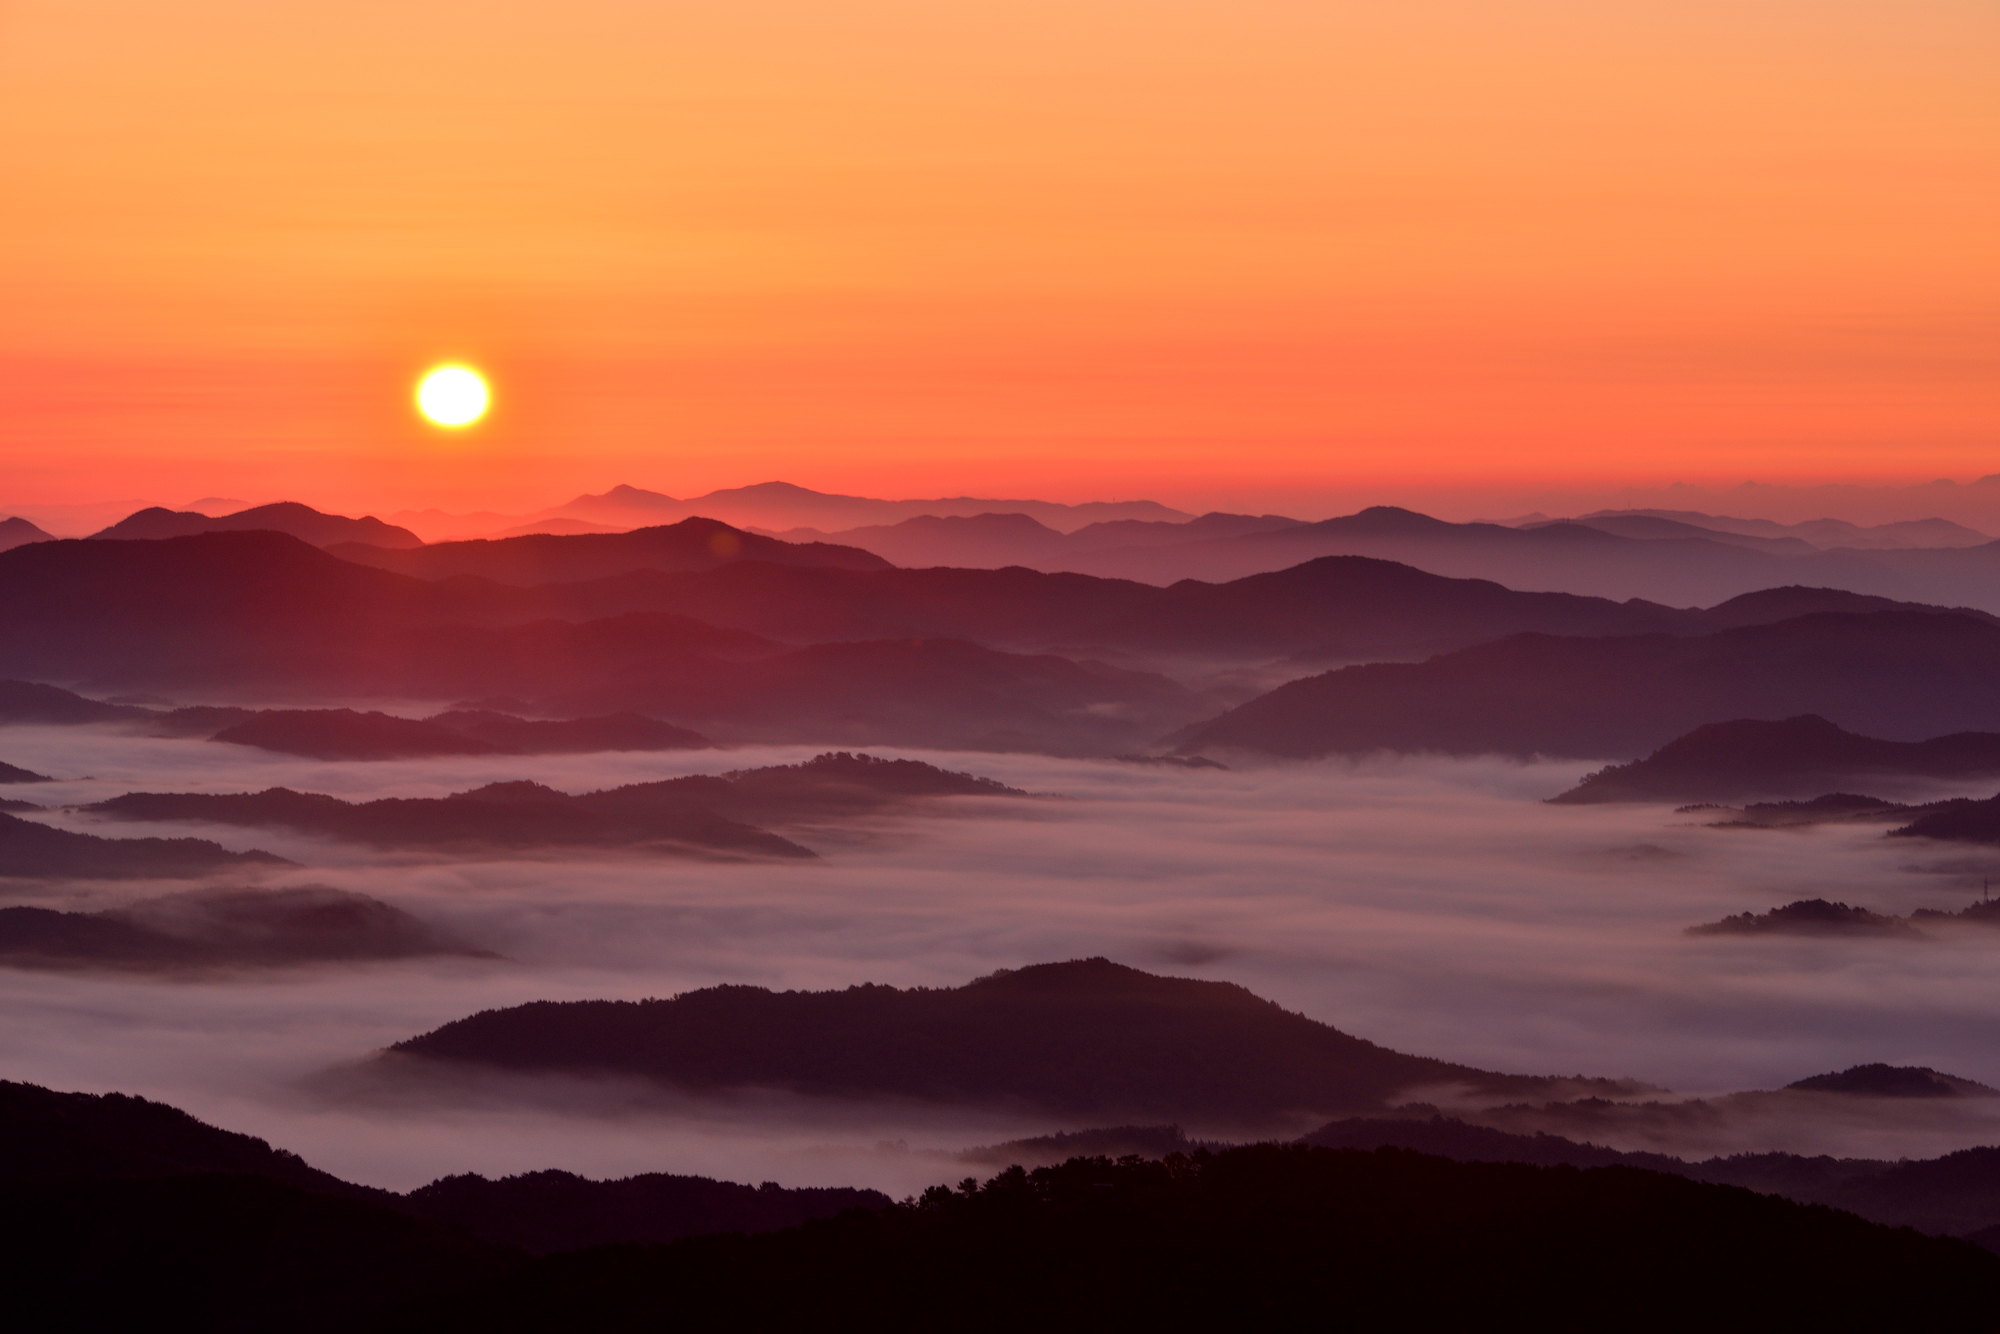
point(452, 396)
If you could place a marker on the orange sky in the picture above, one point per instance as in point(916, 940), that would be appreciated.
point(1179, 248)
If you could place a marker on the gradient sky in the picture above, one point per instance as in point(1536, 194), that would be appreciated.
point(1182, 248)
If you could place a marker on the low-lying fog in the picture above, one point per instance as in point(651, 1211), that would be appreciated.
point(1435, 906)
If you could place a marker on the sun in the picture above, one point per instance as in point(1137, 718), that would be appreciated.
point(453, 395)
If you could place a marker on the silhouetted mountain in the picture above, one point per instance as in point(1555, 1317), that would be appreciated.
point(1335, 608)
point(13, 774)
point(1893, 674)
point(1256, 1237)
point(542, 558)
point(1895, 1081)
point(700, 811)
point(993, 541)
point(30, 850)
point(48, 1136)
point(32, 702)
point(1823, 533)
point(1832, 808)
point(780, 505)
point(16, 532)
point(1963, 822)
point(296, 520)
point(1086, 1038)
point(1754, 758)
point(214, 928)
point(64, 1138)
point(542, 1212)
point(927, 692)
point(1566, 557)
point(499, 815)
point(568, 736)
point(344, 734)
point(1654, 528)
point(1955, 1195)
point(1806, 917)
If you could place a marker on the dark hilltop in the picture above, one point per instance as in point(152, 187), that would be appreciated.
point(1085, 1038)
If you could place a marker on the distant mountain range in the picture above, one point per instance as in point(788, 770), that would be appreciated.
point(1898, 674)
point(752, 650)
point(1756, 758)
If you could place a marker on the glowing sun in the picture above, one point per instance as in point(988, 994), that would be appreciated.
point(453, 396)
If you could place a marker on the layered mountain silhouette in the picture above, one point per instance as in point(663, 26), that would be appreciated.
point(17, 532)
point(11, 773)
point(118, 1212)
point(516, 816)
point(1751, 757)
point(215, 928)
point(288, 517)
point(691, 544)
point(702, 812)
point(1887, 674)
point(1638, 560)
point(992, 541)
point(1807, 917)
point(780, 505)
point(1820, 533)
point(1088, 1037)
point(1954, 1195)
point(1252, 1237)
point(1961, 822)
point(345, 734)
point(32, 850)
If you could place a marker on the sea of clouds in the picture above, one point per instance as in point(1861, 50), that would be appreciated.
point(1435, 906)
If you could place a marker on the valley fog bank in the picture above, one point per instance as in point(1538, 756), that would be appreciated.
point(1434, 906)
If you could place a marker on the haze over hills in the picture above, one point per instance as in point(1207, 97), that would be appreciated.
point(1756, 758)
point(1895, 674)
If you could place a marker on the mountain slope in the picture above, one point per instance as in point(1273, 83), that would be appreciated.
point(30, 850)
point(1753, 758)
point(1087, 1037)
point(16, 532)
point(1895, 674)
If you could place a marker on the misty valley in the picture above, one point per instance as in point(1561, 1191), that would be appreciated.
point(831, 913)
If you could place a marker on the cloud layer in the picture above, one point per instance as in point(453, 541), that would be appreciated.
point(1434, 906)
